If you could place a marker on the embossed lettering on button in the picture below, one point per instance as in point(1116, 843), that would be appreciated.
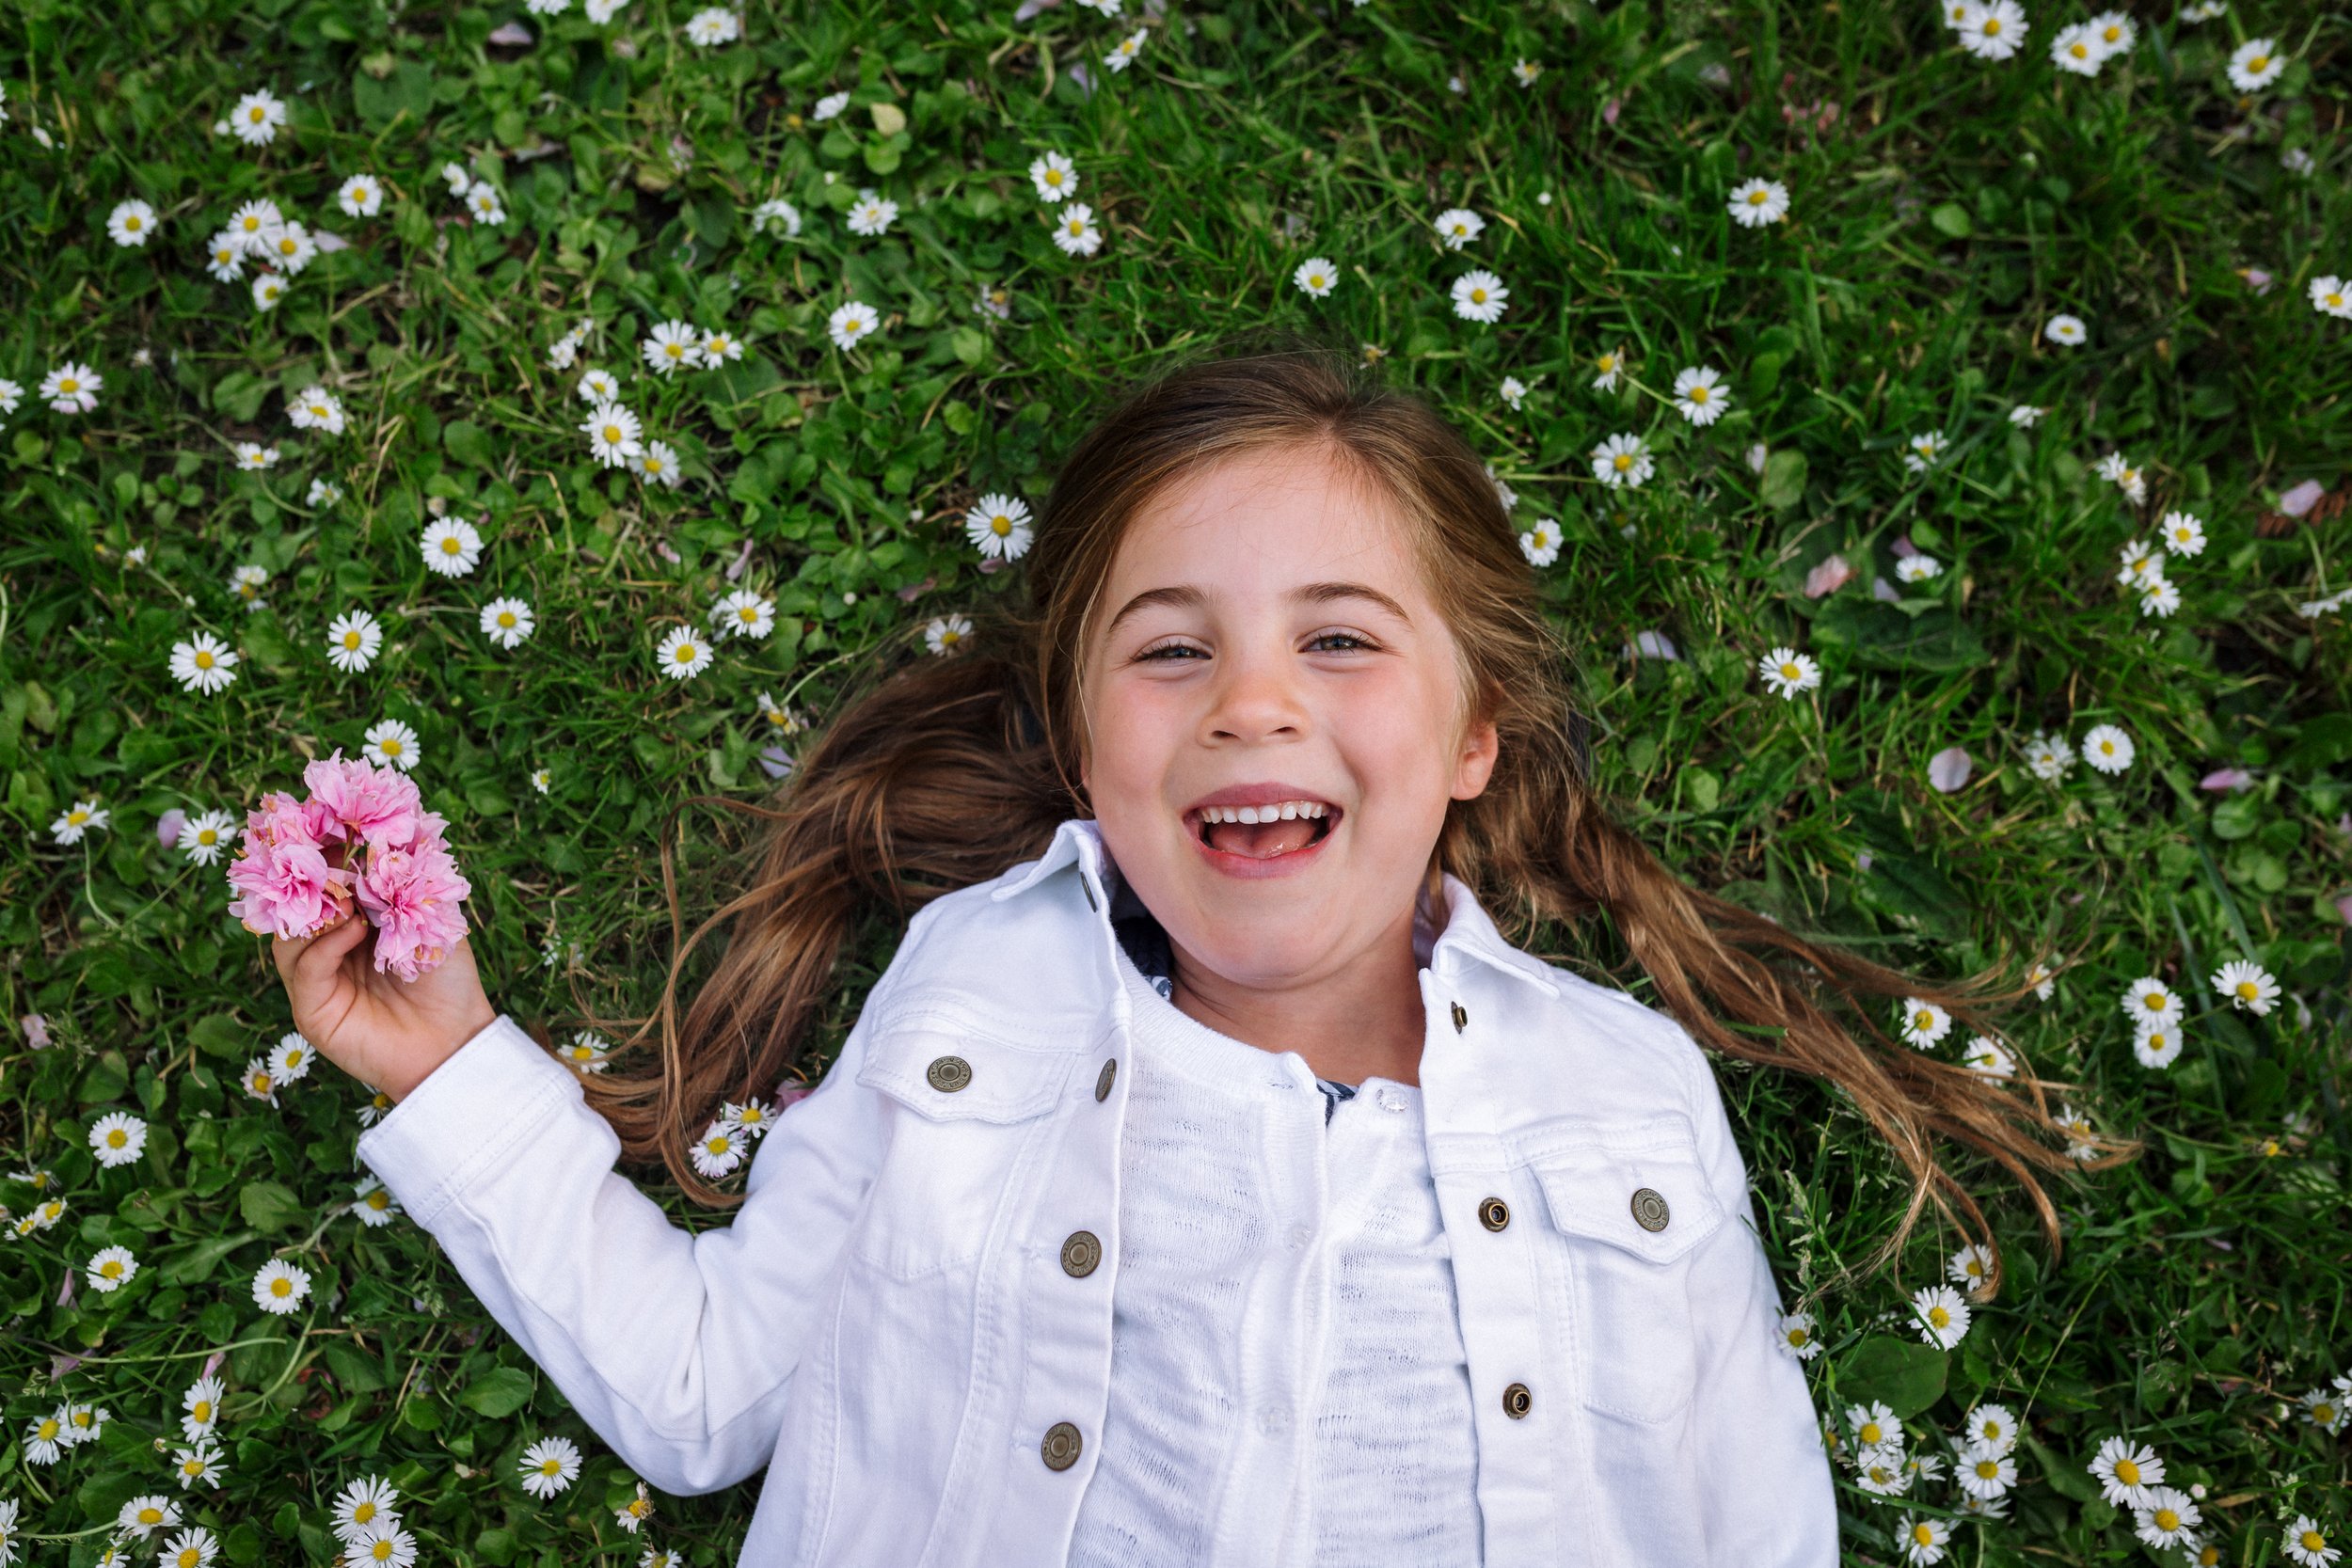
point(1061, 1446)
point(1494, 1213)
point(948, 1073)
point(1103, 1079)
point(1650, 1209)
point(1080, 1254)
point(1516, 1400)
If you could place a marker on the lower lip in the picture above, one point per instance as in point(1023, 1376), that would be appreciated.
point(1250, 868)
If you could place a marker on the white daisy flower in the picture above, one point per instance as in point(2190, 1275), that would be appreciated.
point(659, 465)
point(268, 290)
point(2159, 597)
point(1758, 202)
point(360, 196)
point(353, 639)
point(1987, 1470)
point(1458, 226)
point(82, 816)
point(117, 1138)
point(1924, 1024)
point(452, 546)
point(381, 1545)
point(2025, 416)
point(776, 212)
point(1971, 1266)
point(1055, 176)
point(2184, 533)
point(2107, 747)
point(2256, 64)
point(207, 836)
point(599, 386)
point(1541, 544)
point(507, 622)
point(850, 323)
point(193, 1547)
point(200, 1409)
point(947, 633)
point(1513, 391)
point(110, 1268)
point(203, 663)
point(252, 221)
point(278, 1287)
point(1924, 451)
point(1787, 672)
point(550, 1465)
point(613, 434)
point(1479, 296)
point(2308, 1545)
point(132, 223)
point(2332, 296)
point(363, 1505)
point(1315, 277)
point(1990, 1057)
point(252, 456)
point(588, 1050)
point(316, 408)
point(1699, 395)
point(1525, 71)
point(1990, 1426)
point(2126, 1471)
point(673, 346)
point(257, 116)
point(683, 653)
point(71, 388)
point(1606, 369)
point(483, 204)
point(2325, 1408)
point(389, 743)
point(1622, 462)
point(2115, 31)
point(2076, 49)
point(2249, 987)
point(225, 257)
point(720, 347)
point(199, 1466)
point(1874, 1426)
point(373, 1203)
point(714, 25)
point(2068, 330)
point(1923, 1541)
point(1798, 1338)
point(289, 247)
point(2138, 562)
point(2169, 1519)
point(1125, 49)
point(142, 1516)
point(2157, 1048)
point(2148, 1002)
point(829, 105)
point(719, 1150)
point(744, 613)
point(258, 1082)
point(1075, 230)
point(872, 214)
point(998, 526)
point(1995, 31)
point(753, 1116)
point(1919, 567)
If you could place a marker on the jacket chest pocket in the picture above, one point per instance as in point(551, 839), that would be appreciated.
point(961, 1148)
point(1630, 1216)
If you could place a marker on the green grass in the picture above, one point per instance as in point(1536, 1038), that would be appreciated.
point(1949, 208)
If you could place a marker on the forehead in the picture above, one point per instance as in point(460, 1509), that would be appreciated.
point(1263, 522)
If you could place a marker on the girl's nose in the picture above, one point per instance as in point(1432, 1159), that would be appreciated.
point(1256, 698)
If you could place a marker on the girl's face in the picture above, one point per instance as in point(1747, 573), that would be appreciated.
point(1266, 637)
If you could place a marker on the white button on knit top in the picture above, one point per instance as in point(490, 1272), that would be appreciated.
point(1288, 1384)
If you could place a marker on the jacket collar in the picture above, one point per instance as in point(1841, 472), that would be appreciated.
point(1469, 934)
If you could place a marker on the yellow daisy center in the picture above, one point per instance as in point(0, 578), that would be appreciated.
point(130, 222)
point(390, 746)
point(1923, 1534)
point(1623, 461)
point(1923, 1020)
point(70, 384)
point(2311, 1541)
point(351, 640)
point(281, 1287)
point(2323, 1414)
point(379, 1200)
point(202, 1410)
point(1987, 1468)
point(151, 1516)
point(257, 114)
point(1478, 296)
point(381, 1551)
point(550, 1466)
point(1757, 198)
point(1798, 1338)
point(2259, 62)
point(653, 465)
point(363, 1512)
point(2127, 1472)
point(2167, 1520)
point(1871, 1433)
point(748, 614)
point(506, 619)
point(49, 1428)
point(452, 546)
point(189, 1557)
point(1939, 1317)
point(674, 350)
point(203, 660)
point(252, 225)
point(1992, 26)
point(1698, 394)
point(111, 1268)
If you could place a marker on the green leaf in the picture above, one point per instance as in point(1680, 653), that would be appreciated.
point(1881, 637)
point(469, 443)
point(1902, 1374)
point(498, 1392)
point(2067, 1479)
point(269, 1205)
point(1783, 479)
point(1952, 220)
point(195, 1265)
point(220, 1034)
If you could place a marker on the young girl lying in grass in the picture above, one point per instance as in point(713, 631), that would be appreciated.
point(1208, 1180)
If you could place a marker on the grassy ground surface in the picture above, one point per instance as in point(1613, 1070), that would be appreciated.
point(1942, 209)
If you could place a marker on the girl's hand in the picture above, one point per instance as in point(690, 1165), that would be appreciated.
point(383, 1031)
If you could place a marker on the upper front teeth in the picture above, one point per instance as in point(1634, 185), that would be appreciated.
point(1280, 811)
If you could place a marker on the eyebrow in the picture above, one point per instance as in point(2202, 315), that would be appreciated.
point(1186, 596)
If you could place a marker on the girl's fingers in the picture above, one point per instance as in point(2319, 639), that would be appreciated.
point(311, 962)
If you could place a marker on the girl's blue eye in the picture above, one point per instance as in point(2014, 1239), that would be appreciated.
point(1153, 653)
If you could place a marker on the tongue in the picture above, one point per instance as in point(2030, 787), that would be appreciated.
point(1262, 840)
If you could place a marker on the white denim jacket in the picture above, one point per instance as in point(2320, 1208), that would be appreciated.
point(898, 1321)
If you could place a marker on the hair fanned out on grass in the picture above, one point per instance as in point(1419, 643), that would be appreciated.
point(945, 772)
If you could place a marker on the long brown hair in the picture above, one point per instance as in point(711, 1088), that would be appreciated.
point(945, 771)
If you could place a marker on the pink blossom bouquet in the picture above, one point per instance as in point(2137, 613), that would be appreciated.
point(361, 833)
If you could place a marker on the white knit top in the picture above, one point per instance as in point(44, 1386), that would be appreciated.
point(1288, 1383)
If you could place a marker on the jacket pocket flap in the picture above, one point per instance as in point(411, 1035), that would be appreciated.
point(948, 1071)
point(1617, 1196)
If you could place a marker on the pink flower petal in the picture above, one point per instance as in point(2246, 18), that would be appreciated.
point(1949, 769)
point(2226, 778)
point(1831, 574)
point(169, 825)
point(2302, 498)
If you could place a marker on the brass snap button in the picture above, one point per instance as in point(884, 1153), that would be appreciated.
point(1061, 1446)
point(948, 1073)
point(1102, 1079)
point(1461, 1019)
point(1516, 1400)
point(1650, 1209)
point(1080, 1254)
point(1494, 1213)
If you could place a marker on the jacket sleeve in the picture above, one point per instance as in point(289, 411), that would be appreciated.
point(677, 1349)
point(1754, 1423)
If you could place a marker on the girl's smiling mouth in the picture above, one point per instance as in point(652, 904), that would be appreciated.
point(1261, 829)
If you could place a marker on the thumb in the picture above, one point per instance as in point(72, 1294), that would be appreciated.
point(310, 964)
